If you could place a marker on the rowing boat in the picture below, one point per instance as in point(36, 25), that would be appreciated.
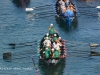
point(48, 56)
point(69, 18)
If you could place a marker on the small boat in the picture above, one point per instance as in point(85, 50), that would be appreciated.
point(48, 56)
point(70, 17)
point(94, 53)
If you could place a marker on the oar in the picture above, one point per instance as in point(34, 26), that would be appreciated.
point(35, 67)
point(39, 7)
point(21, 44)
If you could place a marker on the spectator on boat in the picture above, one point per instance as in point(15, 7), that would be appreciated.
point(64, 14)
point(61, 7)
point(57, 7)
point(61, 2)
point(66, 2)
point(70, 11)
point(71, 5)
point(51, 30)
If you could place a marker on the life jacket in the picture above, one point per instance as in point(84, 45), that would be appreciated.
point(51, 31)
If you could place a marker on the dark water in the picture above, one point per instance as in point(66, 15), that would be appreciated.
point(20, 27)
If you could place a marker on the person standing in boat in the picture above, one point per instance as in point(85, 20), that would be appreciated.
point(51, 30)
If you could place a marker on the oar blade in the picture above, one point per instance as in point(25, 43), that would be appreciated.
point(29, 9)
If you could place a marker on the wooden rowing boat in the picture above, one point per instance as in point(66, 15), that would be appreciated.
point(51, 60)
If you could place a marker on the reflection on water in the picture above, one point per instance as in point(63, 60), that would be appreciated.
point(52, 70)
point(64, 26)
point(21, 3)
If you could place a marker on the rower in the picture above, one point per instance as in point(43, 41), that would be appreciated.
point(56, 46)
point(54, 38)
point(55, 53)
point(47, 43)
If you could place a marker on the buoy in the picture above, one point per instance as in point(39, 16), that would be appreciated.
point(7, 56)
point(94, 45)
point(98, 7)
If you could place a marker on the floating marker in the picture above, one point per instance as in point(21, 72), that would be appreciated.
point(94, 45)
point(29, 9)
point(98, 7)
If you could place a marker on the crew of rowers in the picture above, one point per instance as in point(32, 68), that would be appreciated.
point(52, 45)
point(65, 8)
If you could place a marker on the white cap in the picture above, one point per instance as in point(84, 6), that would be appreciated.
point(55, 35)
point(47, 34)
point(52, 49)
point(51, 24)
point(46, 48)
point(59, 37)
